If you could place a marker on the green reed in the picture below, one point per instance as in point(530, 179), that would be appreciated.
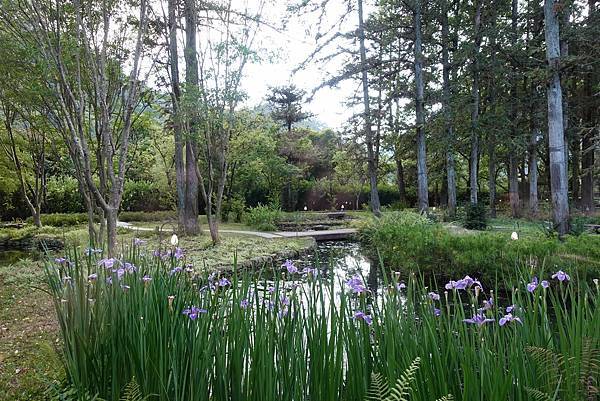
point(276, 335)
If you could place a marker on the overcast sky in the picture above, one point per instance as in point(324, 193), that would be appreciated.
point(292, 46)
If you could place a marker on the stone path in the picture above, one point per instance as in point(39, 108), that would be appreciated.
point(324, 235)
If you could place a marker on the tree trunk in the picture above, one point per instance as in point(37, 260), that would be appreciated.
point(422, 185)
point(513, 180)
point(474, 158)
point(191, 225)
point(558, 171)
point(576, 168)
point(400, 177)
point(446, 99)
point(513, 185)
point(565, 14)
point(111, 230)
point(371, 158)
point(176, 119)
point(588, 146)
point(533, 173)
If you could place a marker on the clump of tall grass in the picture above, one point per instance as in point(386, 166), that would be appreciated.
point(292, 334)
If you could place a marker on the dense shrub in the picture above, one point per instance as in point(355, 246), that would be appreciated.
point(62, 219)
point(145, 196)
point(63, 196)
point(233, 209)
point(163, 215)
point(413, 243)
point(263, 217)
point(475, 216)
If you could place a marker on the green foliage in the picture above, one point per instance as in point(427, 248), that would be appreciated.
point(234, 209)
point(271, 349)
point(379, 389)
point(559, 372)
point(132, 392)
point(263, 217)
point(475, 216)
point(63, 196)
point(62, 219)
point(409, 242)
point(401, 391)
point(164, 215)
point(144, 196)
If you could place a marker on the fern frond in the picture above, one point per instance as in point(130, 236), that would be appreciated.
point(132, 392)
point(401, 390)
point(537, 395)
point(589, 369)
point(549, 363)
point(379, 389)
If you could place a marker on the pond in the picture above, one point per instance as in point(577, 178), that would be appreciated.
point(11, 257)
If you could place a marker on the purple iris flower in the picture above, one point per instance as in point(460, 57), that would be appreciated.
point(270, 304)
point(561, 276)
point(138, 242)
point(146, 279)
point(178, 253)
point(156, 253)
point(193, 312)
point(107, 263)
point(365, 318)
point(533, 285)
point(284, 300)
point(109, 280)
point(120, 273)
point(282, 312)
point(356, 284)
point(461, 285)
point(289, 265)
point(488, 304)
point(434, 296)
point(509, 318)
point(93, 277)
point(478, 319)
point(510, 308)
point(129, 267)
point(61, 261)
point(224, 282)
point(175, 270)
point(545, 284)
point(436, 312)
point(244, 304)
point(400, 286)
point(450, 285)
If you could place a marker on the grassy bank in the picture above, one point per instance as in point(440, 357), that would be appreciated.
point(408, 242)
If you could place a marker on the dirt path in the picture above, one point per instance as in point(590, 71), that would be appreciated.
point(337, 234)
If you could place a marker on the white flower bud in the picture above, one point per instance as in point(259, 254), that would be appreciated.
point(174, 240)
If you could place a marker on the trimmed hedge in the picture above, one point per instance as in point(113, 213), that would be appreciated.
point(408, 243)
